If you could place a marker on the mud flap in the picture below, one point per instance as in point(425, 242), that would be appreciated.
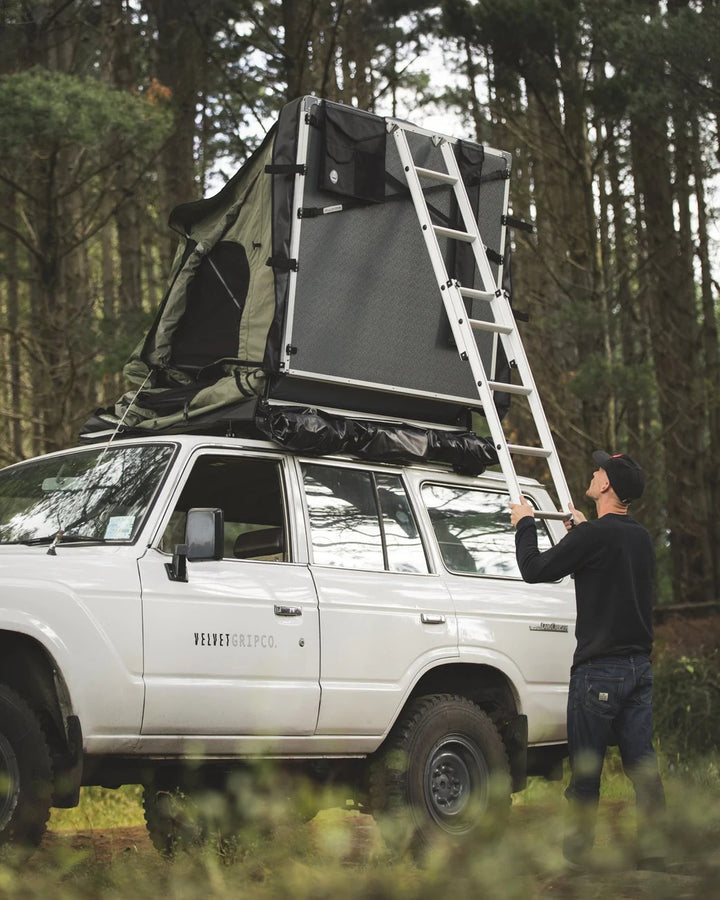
point(515, 737)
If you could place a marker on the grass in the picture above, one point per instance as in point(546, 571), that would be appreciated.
point(340, 854)
point(100, 809)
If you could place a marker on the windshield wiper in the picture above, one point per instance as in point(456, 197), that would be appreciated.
point(67, 537)
point(67, 534)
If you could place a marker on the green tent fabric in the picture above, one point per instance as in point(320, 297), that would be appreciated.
point(205, 349)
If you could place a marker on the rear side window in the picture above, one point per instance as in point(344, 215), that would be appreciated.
point(361, 520)
point(473, 530)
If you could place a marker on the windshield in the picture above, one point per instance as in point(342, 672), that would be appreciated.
point(98, 494)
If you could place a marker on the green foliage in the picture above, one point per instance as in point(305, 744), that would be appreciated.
point(687, 707)
point(41, 110)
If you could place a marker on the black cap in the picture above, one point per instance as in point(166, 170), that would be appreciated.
point(624, 474)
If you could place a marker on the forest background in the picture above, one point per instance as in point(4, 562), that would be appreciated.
point(112, 112)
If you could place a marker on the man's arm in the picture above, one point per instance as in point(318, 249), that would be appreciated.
point(557, 562)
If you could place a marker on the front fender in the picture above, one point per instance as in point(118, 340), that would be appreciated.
point(83, 607)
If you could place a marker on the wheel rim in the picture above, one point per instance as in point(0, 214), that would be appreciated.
point(456, 783)
point(9, 782)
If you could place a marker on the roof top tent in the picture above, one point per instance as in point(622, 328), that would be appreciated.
point(306, 280)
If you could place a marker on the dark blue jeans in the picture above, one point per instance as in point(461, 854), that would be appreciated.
point(610, 702)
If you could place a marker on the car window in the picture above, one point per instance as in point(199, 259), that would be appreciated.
point(473, 530)
point(361, 520)
point(102, 494)
point(249, 492)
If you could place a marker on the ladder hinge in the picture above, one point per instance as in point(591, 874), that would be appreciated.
point(282, 263)
point(520, 224)
point(312, 212)
point(464, 356)
point(289, 169)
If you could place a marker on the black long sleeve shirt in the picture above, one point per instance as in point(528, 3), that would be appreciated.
point(613, 561)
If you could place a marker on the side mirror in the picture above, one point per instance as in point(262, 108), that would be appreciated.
point(204, 534)
point(204, 539)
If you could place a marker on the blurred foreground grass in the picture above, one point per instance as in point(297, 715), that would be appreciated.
point(340, 854)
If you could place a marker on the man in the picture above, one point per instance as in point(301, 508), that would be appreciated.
point(610, 695)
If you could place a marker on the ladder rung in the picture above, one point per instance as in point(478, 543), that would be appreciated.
point(445, 177)
point(473, 294)
point(550, 514)
point(529, 451)
point(495, 327)
point(453, 234)
point(509, 388)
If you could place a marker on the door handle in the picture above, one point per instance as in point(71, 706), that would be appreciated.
point(429, 619)
point(287, 611)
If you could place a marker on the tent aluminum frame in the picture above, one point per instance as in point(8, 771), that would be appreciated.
point(287, 365)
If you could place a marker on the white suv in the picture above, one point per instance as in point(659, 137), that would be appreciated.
point(176, 607)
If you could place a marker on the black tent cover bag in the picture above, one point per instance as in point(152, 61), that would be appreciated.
point(317, 432)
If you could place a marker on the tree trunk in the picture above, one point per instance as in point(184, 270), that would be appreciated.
point(12, 341)
point(179, 51)
point(674, 334)
point(584, 269)
point(711, 355)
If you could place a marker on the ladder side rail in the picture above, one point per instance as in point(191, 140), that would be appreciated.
point(512, 344)
point(428, 234)
point(468, 218)
point(298, 193)
point(458, 317)
point(515, 351)
point(456, 308)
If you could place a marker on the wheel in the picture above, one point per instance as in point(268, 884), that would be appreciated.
point(26, 775)
point(192, 814)
point(172, 819)
point(442, 775)
point(224, 810)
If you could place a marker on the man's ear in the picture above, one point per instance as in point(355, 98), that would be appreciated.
point(605, 486)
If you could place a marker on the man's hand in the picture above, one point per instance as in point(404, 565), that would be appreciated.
point(575, 518)
point(521, 510)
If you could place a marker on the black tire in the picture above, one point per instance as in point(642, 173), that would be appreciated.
point(26, 773)
point(441, 776)
point(190, 815)
point(172, 819)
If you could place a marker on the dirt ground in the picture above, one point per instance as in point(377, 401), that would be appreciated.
point(103, 846)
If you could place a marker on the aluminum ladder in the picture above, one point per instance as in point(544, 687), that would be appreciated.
point(464, 327)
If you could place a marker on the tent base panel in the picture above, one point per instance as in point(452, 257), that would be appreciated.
point(368, 401)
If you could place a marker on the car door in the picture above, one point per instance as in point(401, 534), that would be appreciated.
point(385, 618)
point(235, 649)
point(527, 628)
